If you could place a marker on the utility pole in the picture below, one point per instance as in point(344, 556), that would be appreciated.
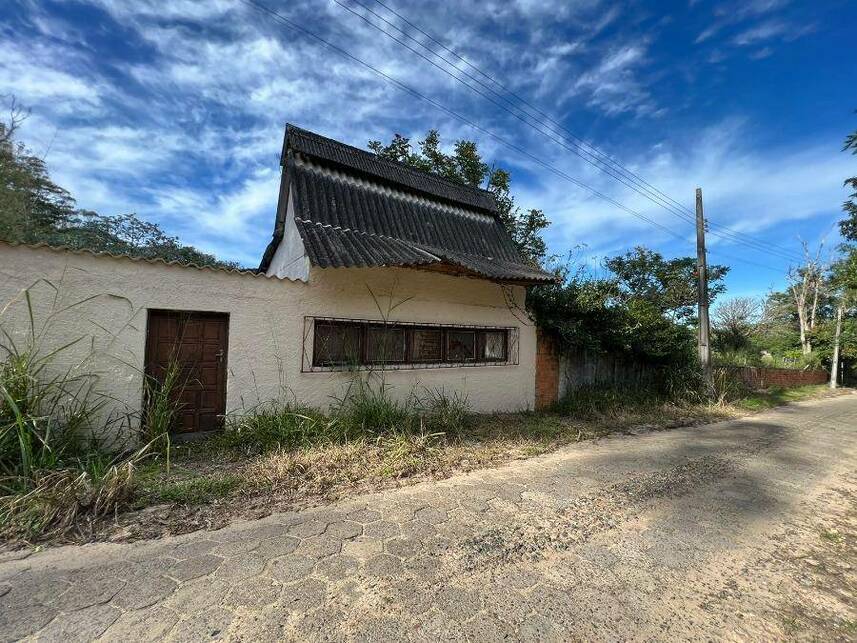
point(702, 291)
point(834, 364)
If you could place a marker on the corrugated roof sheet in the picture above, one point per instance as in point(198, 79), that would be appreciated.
point(353, 209)
point(367, 163)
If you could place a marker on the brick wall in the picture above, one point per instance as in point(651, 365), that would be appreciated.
point(547, 370)
point(782, 377)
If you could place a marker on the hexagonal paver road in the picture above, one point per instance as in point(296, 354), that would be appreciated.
point(739, 530)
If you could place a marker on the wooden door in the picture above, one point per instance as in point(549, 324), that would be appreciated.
point(197, 342)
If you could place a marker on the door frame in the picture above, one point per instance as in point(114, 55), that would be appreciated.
point(150, 347)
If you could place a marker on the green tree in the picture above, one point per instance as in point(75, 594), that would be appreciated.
point(668, 285)
point(848, 225)
point(465, 165)
point(34, 209)
point(645, 307)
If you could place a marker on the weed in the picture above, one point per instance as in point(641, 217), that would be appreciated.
point(832, 536)
point(369, 409)
point(449, 414)
point(196, 491)
point(277, 425)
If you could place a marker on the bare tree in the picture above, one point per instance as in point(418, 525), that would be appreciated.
point(735, 319)
point(17, 115)
point(805, 284)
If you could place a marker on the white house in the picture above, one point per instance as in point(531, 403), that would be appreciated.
point(374, 267)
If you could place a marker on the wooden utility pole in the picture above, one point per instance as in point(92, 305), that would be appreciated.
point(702, 290)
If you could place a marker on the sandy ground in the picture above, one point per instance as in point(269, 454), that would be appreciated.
point(741, 530)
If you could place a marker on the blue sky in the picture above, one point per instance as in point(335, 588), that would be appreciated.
point(176, 110)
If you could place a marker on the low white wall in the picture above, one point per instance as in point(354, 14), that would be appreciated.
point(103, 301)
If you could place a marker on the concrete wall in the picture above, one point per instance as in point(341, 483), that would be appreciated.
point(265, 328)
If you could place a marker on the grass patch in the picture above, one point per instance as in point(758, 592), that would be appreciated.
point(193, 490)
point(770, 398)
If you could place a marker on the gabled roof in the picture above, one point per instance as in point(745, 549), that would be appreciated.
point(354, 209)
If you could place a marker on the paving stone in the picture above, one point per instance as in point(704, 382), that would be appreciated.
point(143, 593)
point(418, 529)
point(364, 516)
point(458, 603)
point(266, 624)
point(343, 529)
point(277, 546)
point(322, 624)
point(210, 625)
point(336, 567)
point(38, 590)
point(380, 628)
point(382, 565)
point(88, 593)
point(288, 569)
point(436, 626)
point(422, 566)
point(382, 529)
point(487, 628)
point(242, 566)
point(84, 625)
point(195, 567)
point(319, 547)
point(194, 549)
point(254, 592)
point(21, 621)
point(403, 547)
point(536, 628)
point(362, 547)
point(151, 624)
point(309, 528)
point(430, 515)
point(303, 595)
point(268, 530)
point(412, 597)
point(197, 596)
point(236, 548)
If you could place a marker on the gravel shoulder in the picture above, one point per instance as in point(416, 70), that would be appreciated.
point(745, 529)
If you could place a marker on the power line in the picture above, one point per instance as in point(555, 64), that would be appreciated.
point(584, 149)
point(410, 90)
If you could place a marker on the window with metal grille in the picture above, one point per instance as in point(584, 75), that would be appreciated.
point(365, 343)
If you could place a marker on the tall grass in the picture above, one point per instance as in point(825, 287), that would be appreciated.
point(52, 469)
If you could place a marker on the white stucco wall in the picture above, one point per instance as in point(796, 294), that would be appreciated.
point(265, 327)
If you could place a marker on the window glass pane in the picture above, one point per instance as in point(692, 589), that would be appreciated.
point(385, 344)
point(495, 345)
point(336, 344)
point(427, 345)
point(460, 345)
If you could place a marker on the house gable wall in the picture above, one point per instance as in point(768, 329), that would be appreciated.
point(290, 260)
